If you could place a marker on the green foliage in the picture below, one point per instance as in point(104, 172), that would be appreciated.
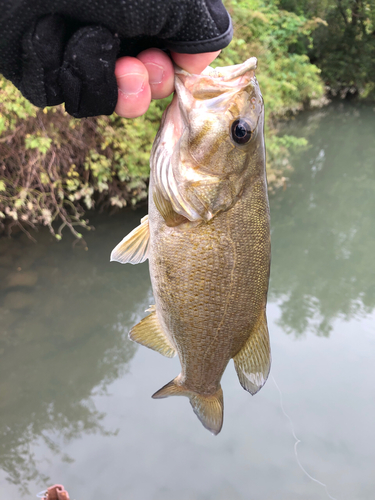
point(344, 47)
point(53, 167)
point(14, 107)
point(287, 79)
point(42, 144)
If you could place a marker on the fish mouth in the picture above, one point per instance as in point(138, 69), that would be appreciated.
point(225, 73)
point(213, 82)
point(201, 112)
point(228, 73)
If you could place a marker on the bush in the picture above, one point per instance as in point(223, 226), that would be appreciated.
point(53, 168)
point(287, 79)
point(344, 46)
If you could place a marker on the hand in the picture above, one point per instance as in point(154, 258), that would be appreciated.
point(150, 75)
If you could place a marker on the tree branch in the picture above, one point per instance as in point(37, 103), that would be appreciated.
point(342, 12)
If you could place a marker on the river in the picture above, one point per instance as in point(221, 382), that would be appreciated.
point(75, 393)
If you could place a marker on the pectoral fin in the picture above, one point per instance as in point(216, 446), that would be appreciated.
point(149, 333)
point(165, 209)
point(253, 362)
point(134, 248)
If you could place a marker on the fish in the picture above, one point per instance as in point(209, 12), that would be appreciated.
point(207, 238)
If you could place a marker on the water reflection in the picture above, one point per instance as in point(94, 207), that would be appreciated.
point(323, 223)
point(65, 313)
point(64, 318)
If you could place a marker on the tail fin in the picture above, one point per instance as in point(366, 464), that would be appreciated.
point(208, 408)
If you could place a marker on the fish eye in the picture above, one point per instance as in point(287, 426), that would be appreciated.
point(241, 131)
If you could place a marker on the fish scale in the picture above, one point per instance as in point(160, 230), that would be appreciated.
point(196, 291)
point(208, 238)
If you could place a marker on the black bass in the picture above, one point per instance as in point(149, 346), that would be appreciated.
point(207, 238)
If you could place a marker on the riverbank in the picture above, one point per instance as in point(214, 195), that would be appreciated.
point(53, 168)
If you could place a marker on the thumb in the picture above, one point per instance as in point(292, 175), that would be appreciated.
point(194, 63)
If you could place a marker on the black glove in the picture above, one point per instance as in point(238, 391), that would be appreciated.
point(58, 51)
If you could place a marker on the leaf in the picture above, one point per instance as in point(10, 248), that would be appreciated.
point(40, 143)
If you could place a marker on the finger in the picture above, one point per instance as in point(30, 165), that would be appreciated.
point(134, 93)
point(194, 63)
point(160, 72)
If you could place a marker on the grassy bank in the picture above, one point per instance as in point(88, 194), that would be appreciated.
point(53, 167)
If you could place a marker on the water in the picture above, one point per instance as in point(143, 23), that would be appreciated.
point(75, 404)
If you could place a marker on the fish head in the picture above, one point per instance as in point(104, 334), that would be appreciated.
point(211, 141)
point(222, 114)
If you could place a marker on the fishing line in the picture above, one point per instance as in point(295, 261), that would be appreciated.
point(297, 443)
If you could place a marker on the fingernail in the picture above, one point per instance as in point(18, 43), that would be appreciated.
point(131, 83)
point(155, 73)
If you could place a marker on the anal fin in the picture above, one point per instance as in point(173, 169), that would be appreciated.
point(133, 249)
point(253, 362)
point(149, 333)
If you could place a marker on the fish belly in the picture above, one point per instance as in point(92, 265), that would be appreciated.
point(210, 284)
